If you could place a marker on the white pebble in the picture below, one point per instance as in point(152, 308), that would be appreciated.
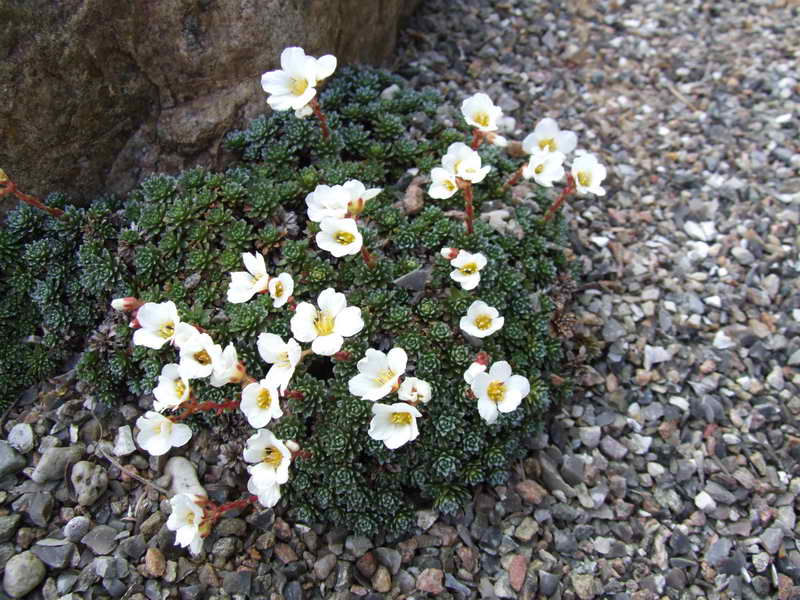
point(705, 502)
point(722, 341)
point(714, 301)
point(21, 437)
point(679, 402)
point(123, 444)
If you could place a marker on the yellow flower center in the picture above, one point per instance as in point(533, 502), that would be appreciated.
point(263, 400)
point(548, 144)
point(344, 237)
point(400, 418)
point(279, 289)
point(298, 86)
point(496, 391)
point(324, 323)
point(481, 118)
point(180, 388)
point(584, 178)
point(469, 269)
point(202, 357)
point(283, 360)
point(385, 376)
point(167, 330)
point(449, 185)
point(483, 322)
point(538, 170)
point(165, 426)
point(190, 518)
point(272, 456)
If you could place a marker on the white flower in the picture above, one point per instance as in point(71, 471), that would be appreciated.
point(282, 357)
point(172, 389)
point(497, 140)
point(480, 112)
point(467, 269)
point(281, 289)
point(327, 326)
point(268, 494)
point(481, 320)
point(359, 194)
point(157, 434)
point(378, 373)
point(449, 253)
point(183, 333)
point(199, 355)
point(414, 390)
point(499, 391)
point(545, 167)
point(260, 403)
point(158, 323)
point(294, 84)
point(327, 201)
point(473, 370)
point(443, 184)
point(244, 285)
point(304, 112)
point(340, 237)
point(547, 136)
point(588, 174)
point(126, 304)
point(464, 162)
point(394, 424)
point(185, 520)
point(269, 457)
point(227, 368)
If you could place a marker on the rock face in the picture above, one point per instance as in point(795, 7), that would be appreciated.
point(98, 94)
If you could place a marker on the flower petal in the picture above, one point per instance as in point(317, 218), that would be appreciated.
point(327, 345)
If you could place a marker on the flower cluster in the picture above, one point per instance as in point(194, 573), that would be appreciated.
point(294, 85)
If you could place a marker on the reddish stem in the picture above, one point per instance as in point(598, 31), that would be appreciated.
point(323, 121)
point(468, 206)
point(9, 187)
point(568, 190)
point(195, 407)
point(369, 260)
point(477, 138)
point(513, 180)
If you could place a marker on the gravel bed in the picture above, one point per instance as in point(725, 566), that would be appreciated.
point(675, 471)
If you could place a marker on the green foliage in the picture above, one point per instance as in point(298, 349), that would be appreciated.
point(177, 238)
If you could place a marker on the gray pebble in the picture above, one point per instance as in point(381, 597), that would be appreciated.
point(10, 461)
point(54, 553)
point(771, 539)
point(23, 573)
point(612, 448)
point(21, 438)
point(8, 526)
point(89, 481)
point(76, 528)
point(101, 539)
point(53, 463)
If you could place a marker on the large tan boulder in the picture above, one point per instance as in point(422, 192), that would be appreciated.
point(96, 94)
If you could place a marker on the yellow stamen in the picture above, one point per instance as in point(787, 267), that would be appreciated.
point(385, 376)
point(180, 388)
point(283, 360)
point(400, 418)
point(264, 400)
point(202, 357)
point(449, 185)
point(538, 170)
point(469, 269)
point(548, 144)
point(481, 119)
point(3, 176)
point(167, 330)
point(279, 289)
point(324, 323)
point(483, 322)
point(496, 391)
point(190, 518)
point(272, 456)
point(584, 178)
point(298, 86)
point(344, 237)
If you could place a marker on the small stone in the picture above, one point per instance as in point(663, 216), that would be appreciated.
point(56, 554)
point(526, 530)
point(105, 566)
point(531, 492)
point(705, 502)
point(722, 341)
point(367, 564)
point(285, 553)
point(154, 562)
point(742, 255)
point(238, 583)
point(40, 507)
point(639, 444)
point(761, 561)
point(613, 330)
point(705, 231)
point(771, 539)
point(123, 443)
point(152, 524)
point(53, 463)
point(548, 583)
point(430, 581)
point(426, 519)
point(590, 436)
point(224, 548)
point(76, 528)
point(517, 571)
point(133, 547)
point(775, 378)
point(381, 580)
point(718, 551)
point(357, 545)
point(89, 481)
point(23, 573)
point(8, 526)
point(585, 585)
point(10, 461)
point(184, 477)
point(612, 448)
point(100, 539)
point(451, 583)
point(390, 558)
point(323, 566)
point(21, 438)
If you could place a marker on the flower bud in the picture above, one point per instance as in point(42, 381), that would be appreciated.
point(449, 253)
point(126, 304)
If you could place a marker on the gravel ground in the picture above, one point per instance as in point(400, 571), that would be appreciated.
point(674, 473)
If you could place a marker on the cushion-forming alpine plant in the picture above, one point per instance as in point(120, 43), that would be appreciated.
point(390, 386)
